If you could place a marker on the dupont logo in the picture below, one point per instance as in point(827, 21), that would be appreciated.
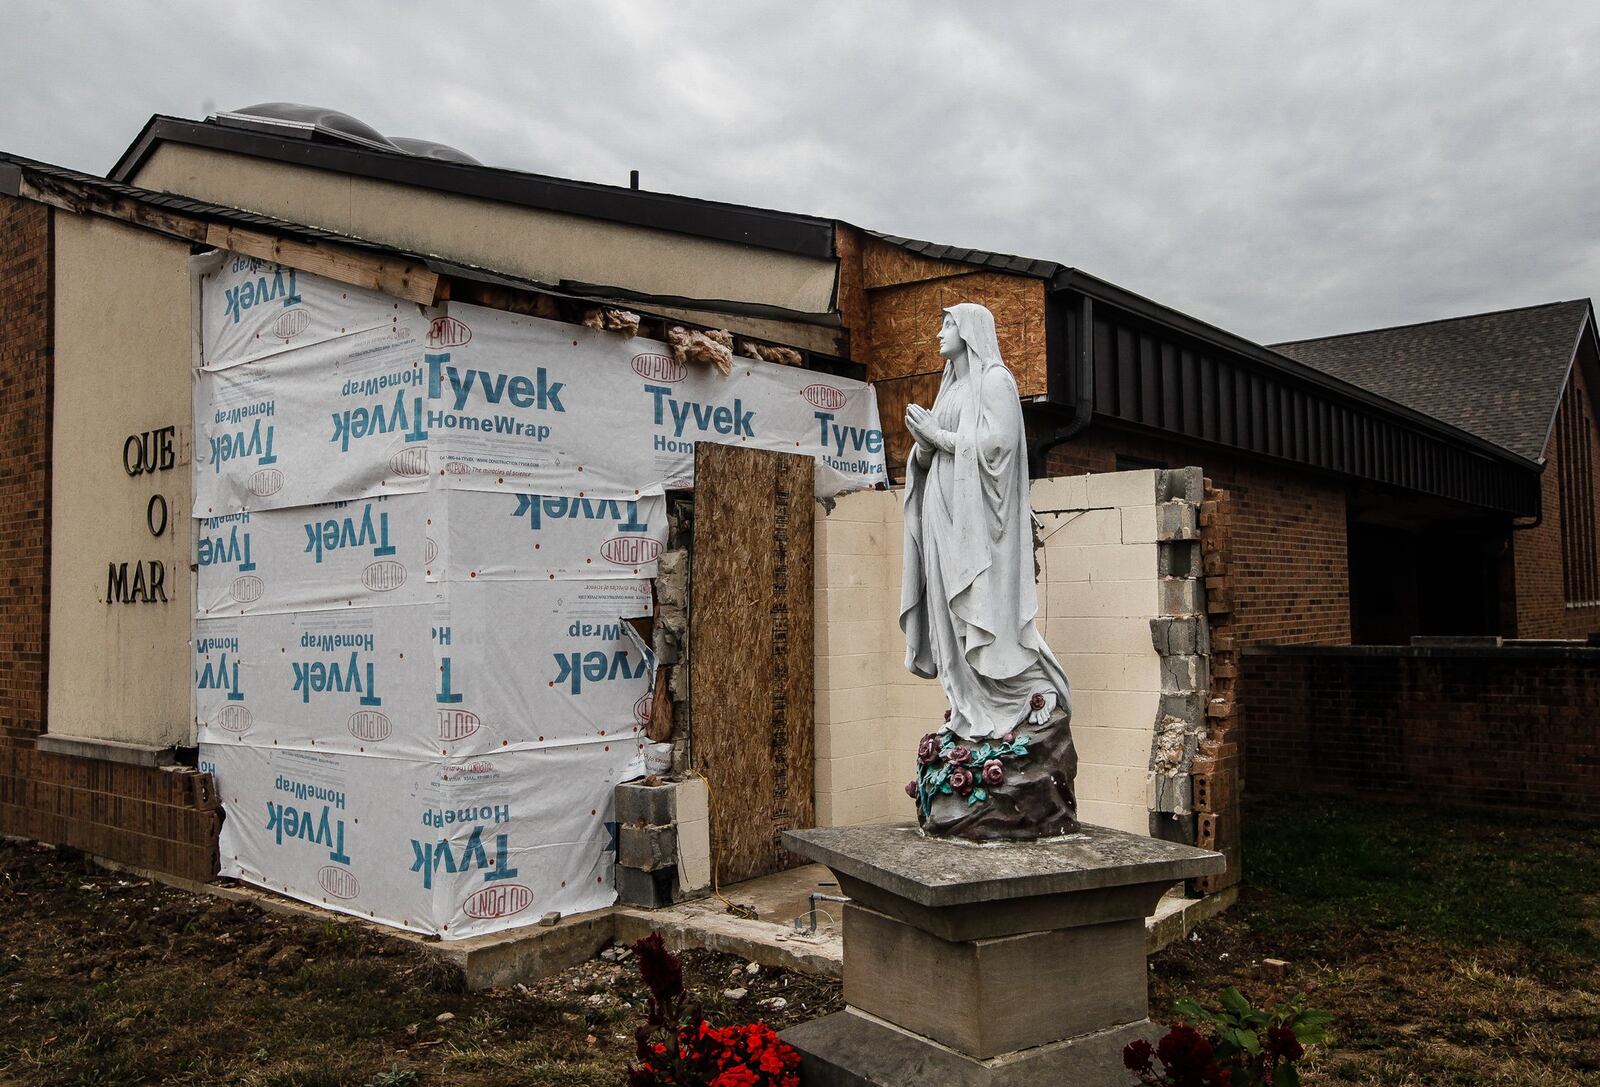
point(248, 589)
point(654, 367)
point(430, 549)
point(266, 482)
point(291, 324)
point(448, 332)
point(370, 725)
point(339, 882)
point(384, 576)
point(235, 718)
point(457, 725)
point(641, 709)
point(457, 468)
point(823, 396)
point(498, 901)
point(410, 462)
point(630, 550)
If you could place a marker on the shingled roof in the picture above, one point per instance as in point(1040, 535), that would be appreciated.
point(1497, 375)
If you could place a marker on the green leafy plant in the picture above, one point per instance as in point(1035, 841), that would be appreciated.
point(1244, 1046)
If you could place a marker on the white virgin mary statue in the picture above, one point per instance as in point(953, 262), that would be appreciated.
point(967, 597)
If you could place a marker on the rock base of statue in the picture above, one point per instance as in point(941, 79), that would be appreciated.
point(1016, 788)
point(1008, 964)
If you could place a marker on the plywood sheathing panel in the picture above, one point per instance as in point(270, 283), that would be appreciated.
point(904, 324)
point(893, 396)
point(751, 665)
point(885, 265)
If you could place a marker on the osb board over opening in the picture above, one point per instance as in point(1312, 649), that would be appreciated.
point(904, 324)
point(750, 652)
point(893, 396)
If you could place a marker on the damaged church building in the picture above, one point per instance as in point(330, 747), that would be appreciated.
point(453, 546)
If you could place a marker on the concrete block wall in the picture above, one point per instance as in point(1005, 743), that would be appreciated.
point(1100, 585)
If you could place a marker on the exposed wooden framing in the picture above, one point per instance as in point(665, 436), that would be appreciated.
point(401, 278)
point(82, 200)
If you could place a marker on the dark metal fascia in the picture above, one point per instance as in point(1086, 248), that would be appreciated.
point(1289, 368)
point(786, 232)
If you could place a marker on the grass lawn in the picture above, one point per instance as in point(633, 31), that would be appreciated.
point(1454, 948)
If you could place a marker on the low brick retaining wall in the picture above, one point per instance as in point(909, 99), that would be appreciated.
point(1511, 727)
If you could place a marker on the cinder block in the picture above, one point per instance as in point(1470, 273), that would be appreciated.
point(647, 848)
point(1122, 489)
point(1139, 524)
point(1133, 818)
point(842, 741)
point(1187, 484)
point(1182, 674)
point(649, 805)
point(1121, 561)
point(1059, 493)
point(846, 707)
point(1127, 709)
point(1094, 526)
point(839, 570)
point(854, 772)
point(651, 890)
point(1123, 747)
point(694, 856)
point(1092, 671)
point(1176, 521)
point(840, 637)
point(868, 506)
point(1181, 596)
point(1185, 706)
point(1177, 634)
point(1138, 672)
point(1178, 558)
point(847, 672)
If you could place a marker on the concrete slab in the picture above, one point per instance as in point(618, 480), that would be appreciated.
point(528, 953)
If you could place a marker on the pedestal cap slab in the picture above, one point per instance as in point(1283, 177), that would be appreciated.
point(940, 872)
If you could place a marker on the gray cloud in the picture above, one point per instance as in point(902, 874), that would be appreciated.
point(1281, 170)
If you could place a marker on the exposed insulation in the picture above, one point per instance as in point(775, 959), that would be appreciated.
point(713, 347)
point(751, 665)
point(612, 320)
point(766, 352)
point(904, 325)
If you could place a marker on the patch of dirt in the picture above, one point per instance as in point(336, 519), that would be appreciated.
point(108, 980)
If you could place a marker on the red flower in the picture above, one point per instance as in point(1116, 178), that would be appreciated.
point(1137, 1054)
point(1036, 702)
point(961, 780)
point(928, 750)
point(911, 789)
point(958, 755)
point(993, 773)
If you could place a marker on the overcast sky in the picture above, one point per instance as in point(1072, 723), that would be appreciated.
point(1280, 169)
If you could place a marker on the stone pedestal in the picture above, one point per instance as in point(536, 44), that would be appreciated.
point(991, 965)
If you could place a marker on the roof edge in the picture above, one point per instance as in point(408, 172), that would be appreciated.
point(787, 232)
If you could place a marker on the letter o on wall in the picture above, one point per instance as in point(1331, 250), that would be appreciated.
point(155, 515)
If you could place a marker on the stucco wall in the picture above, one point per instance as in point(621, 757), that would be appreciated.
point(1099, 588)
point(122, 318)
point(544, 246)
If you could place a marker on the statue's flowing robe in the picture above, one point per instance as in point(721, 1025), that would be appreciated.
point(967, 596)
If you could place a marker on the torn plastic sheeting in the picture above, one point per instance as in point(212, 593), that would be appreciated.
point(533, 405)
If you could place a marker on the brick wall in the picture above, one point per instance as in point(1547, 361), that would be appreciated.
point(1541, 610)
point(1512, 727)
point(1289, 561)
point(26, 270)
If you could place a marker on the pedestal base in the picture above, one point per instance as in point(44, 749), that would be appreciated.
point(852, 1049)
point(1019, 964)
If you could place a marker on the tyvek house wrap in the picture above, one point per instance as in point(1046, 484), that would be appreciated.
point(420, 535)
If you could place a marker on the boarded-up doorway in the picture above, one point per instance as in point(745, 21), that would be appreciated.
point(750, 652)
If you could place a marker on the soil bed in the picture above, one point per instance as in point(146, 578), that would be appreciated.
point(1454, 948)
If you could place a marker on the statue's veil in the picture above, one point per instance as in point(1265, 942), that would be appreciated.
point(976, 325)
